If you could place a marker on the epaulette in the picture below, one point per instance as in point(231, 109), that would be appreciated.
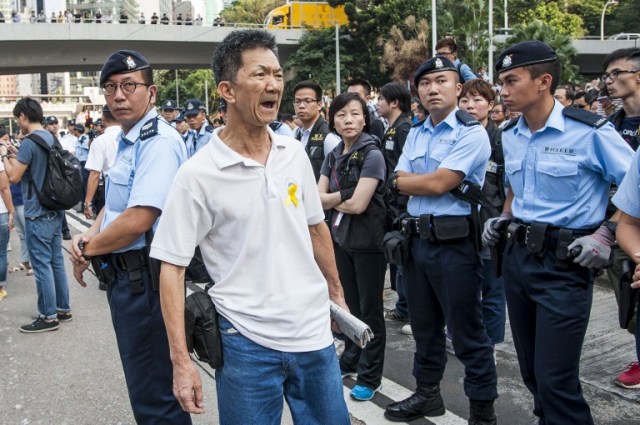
point(586, 117)
point(149, 129)
point(419, 123)
point(466, 118)
point(209, 129)
point(275, 125)
point(510, 124)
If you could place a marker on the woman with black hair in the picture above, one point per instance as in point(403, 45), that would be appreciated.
point(351, 183)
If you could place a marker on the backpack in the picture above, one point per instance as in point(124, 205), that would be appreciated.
point(63, 186)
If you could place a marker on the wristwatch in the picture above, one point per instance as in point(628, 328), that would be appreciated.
point(611, 226)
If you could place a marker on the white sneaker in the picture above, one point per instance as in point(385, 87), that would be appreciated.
point(406, 329)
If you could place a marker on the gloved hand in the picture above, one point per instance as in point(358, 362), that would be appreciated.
point(596, 248)
point(492, 228)
point(391, 183)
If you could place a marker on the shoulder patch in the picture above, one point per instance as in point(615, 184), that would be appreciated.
point(419, 123)
point(209, 129)
point(149, 129)
point(585, 117)
point(466, 118)
point(510, 124)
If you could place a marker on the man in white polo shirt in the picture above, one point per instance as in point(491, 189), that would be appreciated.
point(249, 200)
point(102, 153)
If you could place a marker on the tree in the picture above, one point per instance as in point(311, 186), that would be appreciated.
point(624, 18)
point(249, 11)
point(191, 84)
point(590, 11)
point(562, 22)
point(405, 51)
point(561, 43)
point(315, 60)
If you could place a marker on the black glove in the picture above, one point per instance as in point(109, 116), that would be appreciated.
point(392, 181)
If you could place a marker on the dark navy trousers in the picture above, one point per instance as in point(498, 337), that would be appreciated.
point(443, 285)
point(144, 351)
point(549, 306)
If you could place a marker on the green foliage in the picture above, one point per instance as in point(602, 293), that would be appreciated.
point(561, 21)
point(623, 18)
point(467, 22)
point(191, 85)
point(249, 11)
point(561, 43)
point(315, 60)
point(372, 20)
point(590, 11)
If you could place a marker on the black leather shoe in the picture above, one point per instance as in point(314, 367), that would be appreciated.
point(66, 235)
point(426, 401)
point(481, 412)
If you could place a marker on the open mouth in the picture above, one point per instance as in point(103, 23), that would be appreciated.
point(268, 105)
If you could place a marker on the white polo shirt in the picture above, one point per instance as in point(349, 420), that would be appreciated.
point(102, 152)
point(251, 224)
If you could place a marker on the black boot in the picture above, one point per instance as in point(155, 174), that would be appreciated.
point(481, 413)
point(426, 401)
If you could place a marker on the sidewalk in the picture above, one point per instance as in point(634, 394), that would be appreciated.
point(72, 375)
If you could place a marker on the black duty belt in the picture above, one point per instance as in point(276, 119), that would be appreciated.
point(130, 262)
point(443, 228)
point(540, 237)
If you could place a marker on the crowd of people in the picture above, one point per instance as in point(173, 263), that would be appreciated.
point(500, 196)
point(76, 16)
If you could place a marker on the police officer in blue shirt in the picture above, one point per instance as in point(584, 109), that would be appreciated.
point(169, 110)
point(444, 269)
point(201, 131)
point(149, 154)
point(559, 164)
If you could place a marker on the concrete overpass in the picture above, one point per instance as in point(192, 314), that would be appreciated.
point(591, 53)
point(53, 47)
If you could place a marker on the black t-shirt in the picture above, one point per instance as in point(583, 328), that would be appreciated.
point(629, 130)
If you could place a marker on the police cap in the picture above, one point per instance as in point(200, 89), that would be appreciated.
point(435, 64)
point(50, 120)
point(79, 127)
point(179, 118)
point(98, 122)
point(524, 54)
point(71, 122)
point(122, 62)
point(169, 105)
point(193, 107)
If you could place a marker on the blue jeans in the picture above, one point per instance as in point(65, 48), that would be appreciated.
point(254, 379)
point(402, 307)
point(494, 312)
point(4, 239)
point(18, 220)
point(45, 250)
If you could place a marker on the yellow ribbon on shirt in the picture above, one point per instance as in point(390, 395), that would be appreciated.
point(292, 196)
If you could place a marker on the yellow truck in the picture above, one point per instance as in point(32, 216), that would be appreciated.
point(297, 14)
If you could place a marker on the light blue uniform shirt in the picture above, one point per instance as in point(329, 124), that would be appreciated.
point(451, 145)
point(627, 198)
point(143, 170)
point(196, 140)
point(82, 148)
point(465, 70)
point(561, 174)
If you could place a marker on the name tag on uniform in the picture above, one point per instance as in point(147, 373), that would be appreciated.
point(492, 167)
point(389, 145)
point(559, 151)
